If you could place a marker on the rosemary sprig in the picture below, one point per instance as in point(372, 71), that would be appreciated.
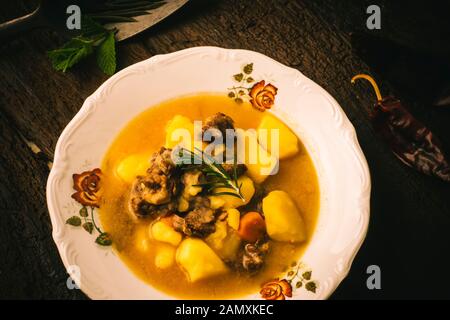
point(216, 175)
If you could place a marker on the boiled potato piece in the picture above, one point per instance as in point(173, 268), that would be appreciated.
point(287, 144)
point(132, 166)
point(215, 239)
point(162, 231)
point(216, 202)
point(198, 260)
point(180, 130)
point(233, 218)
point(283, 221)
point(183, 204)
point(230, 246)
point(224, 241)
point(247, 191)
point(260, 163)
point(165, 255)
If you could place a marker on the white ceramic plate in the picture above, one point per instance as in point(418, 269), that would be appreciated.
point(307, 108)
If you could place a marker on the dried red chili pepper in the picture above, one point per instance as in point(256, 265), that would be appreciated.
point(412, 142)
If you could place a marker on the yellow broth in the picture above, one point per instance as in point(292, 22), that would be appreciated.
point(146, 134)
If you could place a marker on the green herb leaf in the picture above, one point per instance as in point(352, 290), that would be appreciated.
point(298, 284)
point(248, 68)
point(250, 79)
point(307, 275)
point(290, 273)
point(106, 55)
point(238, 100)
point(311, 286)
point(72, 52)
point(104, 239)
point(231, 94)
point(74, 221)
point(88, 226)
point(238, 77)
point(84, 212)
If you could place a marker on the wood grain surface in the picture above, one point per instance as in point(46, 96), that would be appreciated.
point(409, 235)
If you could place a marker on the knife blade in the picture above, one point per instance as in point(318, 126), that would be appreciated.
point(129, 29)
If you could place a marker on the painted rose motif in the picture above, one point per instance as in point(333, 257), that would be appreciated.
point(88, 188)
point(262, 95)
point(298, 276)
point(88, 193)
point(276, 290)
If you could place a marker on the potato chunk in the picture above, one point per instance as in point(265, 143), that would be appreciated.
point(247, 191)
point(180, 129)
point(224, 241)
point(132, 166)
point(162, 231)
point(216, 202)
point(165, 255)
point(198, 260)
point(283, 221)
point(288, 142)
point(260, 163)
point(233, 218)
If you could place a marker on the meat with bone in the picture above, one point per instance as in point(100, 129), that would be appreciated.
point(253, 256)
point(219, 121)
point(199, 221)
point(155, 192)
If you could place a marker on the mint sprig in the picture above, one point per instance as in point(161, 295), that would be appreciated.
point(106, 54)
point(94, 38)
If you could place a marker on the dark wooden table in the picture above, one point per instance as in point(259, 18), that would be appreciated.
point(409, 233)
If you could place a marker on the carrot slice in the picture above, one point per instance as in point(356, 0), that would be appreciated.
point(252, 226)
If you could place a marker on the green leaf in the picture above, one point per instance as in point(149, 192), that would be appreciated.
point(248, 68)
point(83, 212)
point(298, 284)
point(311, 286)
point(74, 221)
point(71, 53)
point(106, 55)
point(88, 226)
point(104, 239)
point(231, 94)
point(238, 100)
point(238, 77)
point(250, 79)
point(307, 275)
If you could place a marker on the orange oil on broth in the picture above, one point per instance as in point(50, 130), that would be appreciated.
point(146, 134)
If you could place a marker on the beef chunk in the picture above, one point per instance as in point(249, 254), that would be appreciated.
point(219, 121)
point(144, 209)
point(153, 193)
point(253, 256)
point(198, 222)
